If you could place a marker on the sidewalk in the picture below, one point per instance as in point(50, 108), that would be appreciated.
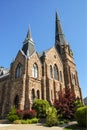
point(37, 126)
point(27, 127)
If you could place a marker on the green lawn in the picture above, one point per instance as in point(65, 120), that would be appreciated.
point(74, 127)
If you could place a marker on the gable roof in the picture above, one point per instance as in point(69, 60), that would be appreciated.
point(43, 54)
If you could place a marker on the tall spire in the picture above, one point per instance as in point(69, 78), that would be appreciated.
point(59, 35)
point(28, 36)
point(28, 44)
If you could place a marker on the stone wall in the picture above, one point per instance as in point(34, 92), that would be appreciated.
point(21, 87)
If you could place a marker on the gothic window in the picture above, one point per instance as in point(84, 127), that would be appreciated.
point(56, 73)
point(51, 75)
point(61, 76)
point(32, 95)
point(35, 70)
point(38, 94)
point(18, 72)
point(16, 101)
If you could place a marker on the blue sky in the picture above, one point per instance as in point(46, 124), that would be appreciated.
point(17, 15)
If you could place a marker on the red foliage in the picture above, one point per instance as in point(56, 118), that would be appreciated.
point(26, 114)
point(65, 104)
point(20, 113)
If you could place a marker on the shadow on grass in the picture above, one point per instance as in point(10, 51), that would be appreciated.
point(74, 127)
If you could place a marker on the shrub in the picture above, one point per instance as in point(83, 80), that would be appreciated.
point(13, 111)
point(81, 116)
point(17, 122)
point(29, 114)
point(12, 116)
point(34, 120)
point(28, 121)
point(20, 113)
point(78, 103)
point(26, 114)
point(40, 106)
point(25, 122)
point(67, 103)
point(51, 118)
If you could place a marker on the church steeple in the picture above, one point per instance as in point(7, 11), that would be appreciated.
point(28, 44)
point(59, 35)
point(28, 36)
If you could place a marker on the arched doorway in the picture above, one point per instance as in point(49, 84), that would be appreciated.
point(16, 101)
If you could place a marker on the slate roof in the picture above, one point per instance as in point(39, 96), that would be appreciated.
point(28, 44)
point(59, 35)
point(42, 54)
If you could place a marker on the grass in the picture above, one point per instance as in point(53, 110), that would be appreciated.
point(74, 127)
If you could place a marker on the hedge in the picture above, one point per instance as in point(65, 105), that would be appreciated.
point(81, 116)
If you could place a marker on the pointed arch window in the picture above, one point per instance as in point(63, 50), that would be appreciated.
point(16, 101)
point(61, 76)
point(38, 94)
point(32, 95)
point(18, 72)
point(56, 73)
point(35, 70)
point(51, 73)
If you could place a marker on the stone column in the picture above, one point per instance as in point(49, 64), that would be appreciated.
point(67, 76)
point(22, 95)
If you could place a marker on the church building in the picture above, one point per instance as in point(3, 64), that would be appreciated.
point(38, 75)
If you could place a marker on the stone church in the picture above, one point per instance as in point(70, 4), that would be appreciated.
point(38, 75)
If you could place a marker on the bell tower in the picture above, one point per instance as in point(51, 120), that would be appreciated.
point(66, 54)
point(59, 35)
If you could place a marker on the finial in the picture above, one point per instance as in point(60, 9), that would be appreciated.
point(29, 37)
point(57, 16)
